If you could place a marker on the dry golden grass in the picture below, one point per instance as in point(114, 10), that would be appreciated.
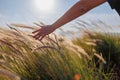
point(54, 58)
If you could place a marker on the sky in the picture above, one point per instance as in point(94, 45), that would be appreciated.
point(24, 12)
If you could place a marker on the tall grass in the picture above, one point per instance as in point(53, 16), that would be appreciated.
point(107, 45)
point(56, 58)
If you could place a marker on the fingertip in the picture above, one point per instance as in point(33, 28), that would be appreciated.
point(34, 31)
point(33, 36)
point(41, 38)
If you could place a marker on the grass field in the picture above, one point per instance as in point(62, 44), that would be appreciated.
point(95, 56)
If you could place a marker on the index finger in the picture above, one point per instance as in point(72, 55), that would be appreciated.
point(36, 31)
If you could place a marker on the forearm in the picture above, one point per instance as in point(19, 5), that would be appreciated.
point(77, 10)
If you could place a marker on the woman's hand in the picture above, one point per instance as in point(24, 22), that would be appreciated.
point(42, 32)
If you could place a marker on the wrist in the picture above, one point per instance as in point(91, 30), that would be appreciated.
point(55, 26)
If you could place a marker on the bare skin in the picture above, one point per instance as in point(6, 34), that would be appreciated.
point(80, 8)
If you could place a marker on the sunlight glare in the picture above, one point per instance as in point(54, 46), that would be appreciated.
point(44, 5)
